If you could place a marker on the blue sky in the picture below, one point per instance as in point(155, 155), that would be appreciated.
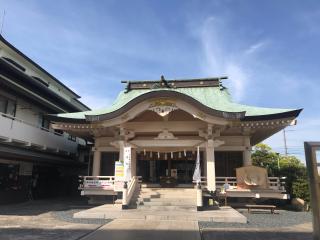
point(269, 49)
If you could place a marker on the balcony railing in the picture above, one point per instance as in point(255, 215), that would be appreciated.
point(18, 131)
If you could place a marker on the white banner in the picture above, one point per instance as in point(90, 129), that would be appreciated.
point(197, 171)
point(127, 163)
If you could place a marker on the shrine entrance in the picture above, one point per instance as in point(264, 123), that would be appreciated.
point(152, 166)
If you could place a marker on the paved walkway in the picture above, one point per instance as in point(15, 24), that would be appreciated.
point(224, 214)
point(142, 229)
point(52, 220)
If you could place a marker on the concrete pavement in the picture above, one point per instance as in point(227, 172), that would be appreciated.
point(120, 229)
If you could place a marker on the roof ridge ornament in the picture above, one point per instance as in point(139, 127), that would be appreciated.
point(163, 83)
point(163, 107)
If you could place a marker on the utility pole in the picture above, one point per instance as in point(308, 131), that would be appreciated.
point(2, 22)
point(285, 142)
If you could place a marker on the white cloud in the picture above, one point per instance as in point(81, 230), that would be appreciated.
point(255, 47)
point(221, 58)
point(238, 79)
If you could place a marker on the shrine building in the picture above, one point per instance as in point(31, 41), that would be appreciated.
point(164, 121)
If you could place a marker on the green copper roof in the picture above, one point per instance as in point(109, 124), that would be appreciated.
point(213, 97)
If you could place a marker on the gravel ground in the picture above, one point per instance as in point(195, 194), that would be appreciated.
point(265, 220)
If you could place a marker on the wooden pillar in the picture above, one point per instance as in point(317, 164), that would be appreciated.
point(96, 163)
point(121, 151)
point(211, 170)
point(152, 170)
point(247, 161)
point(204, 162)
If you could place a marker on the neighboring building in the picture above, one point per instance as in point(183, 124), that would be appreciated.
point(164, 121)
point(33, 156)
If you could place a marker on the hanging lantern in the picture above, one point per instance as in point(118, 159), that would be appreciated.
point(179, 155)
point(158, 155)
point(144, 152)
point(185, 152)
point(165, 156)
point(171, 155)
point(150, 154)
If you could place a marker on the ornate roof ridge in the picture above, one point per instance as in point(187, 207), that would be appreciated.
point(174, 83)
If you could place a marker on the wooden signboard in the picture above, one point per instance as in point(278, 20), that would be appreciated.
point(119, 176)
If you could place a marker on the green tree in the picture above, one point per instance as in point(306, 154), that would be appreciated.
point(290, 167)
point(263, 156)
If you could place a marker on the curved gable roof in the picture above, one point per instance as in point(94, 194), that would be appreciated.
point(212, 100)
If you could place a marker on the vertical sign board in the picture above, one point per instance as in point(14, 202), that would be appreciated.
point(127, 163)
point(118, 176)
point(311, 149)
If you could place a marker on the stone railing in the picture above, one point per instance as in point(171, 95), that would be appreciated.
point(128, 191)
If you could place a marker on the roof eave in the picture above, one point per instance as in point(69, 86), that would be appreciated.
point(289, 114)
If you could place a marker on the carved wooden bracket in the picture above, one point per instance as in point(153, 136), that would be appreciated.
point(165, 134)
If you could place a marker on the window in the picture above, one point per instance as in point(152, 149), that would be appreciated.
point(43, 122)
point(3, 104)
point(72, 138)
point(7, 106)
point(11, 108)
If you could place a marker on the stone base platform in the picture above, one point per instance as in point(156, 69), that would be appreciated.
point(108, 211)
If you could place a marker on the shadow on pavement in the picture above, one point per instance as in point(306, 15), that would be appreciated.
point(40, 233)
point(216, 234)
point(36, 207)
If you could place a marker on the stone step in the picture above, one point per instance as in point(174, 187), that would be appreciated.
point(170, 193)
point(166, 208)
point(177, 200)
point(165, 196)
point(168, 189)
point(166, 203)
point(184, 192)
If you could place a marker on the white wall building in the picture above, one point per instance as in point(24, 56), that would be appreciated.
point(29, 147)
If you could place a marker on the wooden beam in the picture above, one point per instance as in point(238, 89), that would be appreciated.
point(174, 126)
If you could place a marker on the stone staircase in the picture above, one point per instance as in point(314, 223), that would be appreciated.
point(165, 199)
